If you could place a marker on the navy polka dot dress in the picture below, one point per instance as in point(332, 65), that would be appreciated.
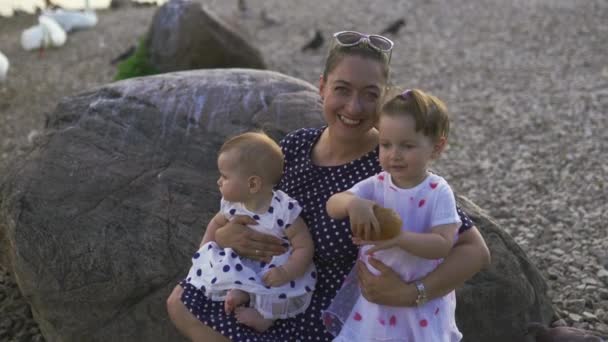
point(335, 255)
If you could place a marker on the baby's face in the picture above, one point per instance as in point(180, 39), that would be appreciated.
point(232, 183)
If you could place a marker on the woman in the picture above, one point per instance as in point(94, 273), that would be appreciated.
point(318, 163)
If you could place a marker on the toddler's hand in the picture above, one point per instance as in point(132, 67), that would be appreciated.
point(276, 276)
point(362, 218)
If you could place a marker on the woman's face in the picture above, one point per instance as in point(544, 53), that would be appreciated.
point(351, 96)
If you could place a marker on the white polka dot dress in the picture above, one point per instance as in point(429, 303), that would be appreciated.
point(335, 254)
point(217, 270)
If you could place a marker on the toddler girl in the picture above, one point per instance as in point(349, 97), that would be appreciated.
point(413, 130)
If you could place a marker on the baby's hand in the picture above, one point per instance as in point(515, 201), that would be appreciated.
point(276, 276)
point(362, 218)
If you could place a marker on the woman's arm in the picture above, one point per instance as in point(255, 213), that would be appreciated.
point(467, 257)
point(300, 259)
point(247, 242)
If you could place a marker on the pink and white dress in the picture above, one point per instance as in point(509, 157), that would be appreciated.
point(350, 317)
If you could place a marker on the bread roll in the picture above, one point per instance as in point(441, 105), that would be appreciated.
point(390, 223)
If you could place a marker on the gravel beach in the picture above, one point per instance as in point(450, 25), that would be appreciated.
point(525, 80)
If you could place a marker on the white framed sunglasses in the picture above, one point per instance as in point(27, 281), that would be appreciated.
point(374, 41)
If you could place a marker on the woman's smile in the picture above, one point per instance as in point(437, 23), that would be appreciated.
point(348, 121)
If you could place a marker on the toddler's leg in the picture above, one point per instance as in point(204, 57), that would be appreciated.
point(252, 318)
point(235, 298)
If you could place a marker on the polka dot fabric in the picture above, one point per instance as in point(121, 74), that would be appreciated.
point(335, 255)
point(217, 270)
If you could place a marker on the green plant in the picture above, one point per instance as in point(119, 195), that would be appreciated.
point(136, 65)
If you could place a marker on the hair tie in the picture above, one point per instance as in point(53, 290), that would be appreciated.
point(406, 93)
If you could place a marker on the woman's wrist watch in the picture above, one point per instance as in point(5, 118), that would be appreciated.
point(421, 299)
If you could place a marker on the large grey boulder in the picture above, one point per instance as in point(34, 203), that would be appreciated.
point(498, 303)
point(100, 219)
point(185, 36)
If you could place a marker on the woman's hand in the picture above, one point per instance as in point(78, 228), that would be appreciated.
point(387, 288)
point(247, 242)
point(362, 218)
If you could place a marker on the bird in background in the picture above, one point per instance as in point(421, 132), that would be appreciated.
point(73, 20)
point(542, 333)
point(394, 27)
point(4, 65)
point(128, 53)
point(267, 19)
point(48, 33)
point(315, 42)
point(242, 8)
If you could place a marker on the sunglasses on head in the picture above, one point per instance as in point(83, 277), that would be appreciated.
point(374, 41)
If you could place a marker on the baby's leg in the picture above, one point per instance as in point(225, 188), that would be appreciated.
point(252, 318)
point(235, 298)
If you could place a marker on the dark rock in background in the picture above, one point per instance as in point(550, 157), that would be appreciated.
point(185, 36)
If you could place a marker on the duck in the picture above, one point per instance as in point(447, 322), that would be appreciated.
point(4, 65)
point(48, 33)
point(73, 20)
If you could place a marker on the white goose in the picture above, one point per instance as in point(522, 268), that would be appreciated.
point(3, 67)
point(48, 33)
point(73, 20)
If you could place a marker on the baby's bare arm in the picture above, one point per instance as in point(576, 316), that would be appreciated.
point(219, 220)
point(303, 249)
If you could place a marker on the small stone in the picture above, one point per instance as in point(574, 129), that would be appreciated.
point(559, 323)
point(576, 305)
point(558, 251)
point(589, 316)
point(575, 317)
point(590, 281)
point(601, 327)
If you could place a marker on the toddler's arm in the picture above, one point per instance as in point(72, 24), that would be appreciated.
point(300, 259)
point(218, 221)
point(434, 245)
point(360, 212)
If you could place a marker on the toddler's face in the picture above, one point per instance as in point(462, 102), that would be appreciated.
point(404, 153)
point(232, 183)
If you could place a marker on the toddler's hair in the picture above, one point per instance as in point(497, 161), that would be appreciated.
point(430, 113)
point(258, 155)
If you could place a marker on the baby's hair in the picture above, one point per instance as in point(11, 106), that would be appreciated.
point(258, 155)
point(430, 113)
